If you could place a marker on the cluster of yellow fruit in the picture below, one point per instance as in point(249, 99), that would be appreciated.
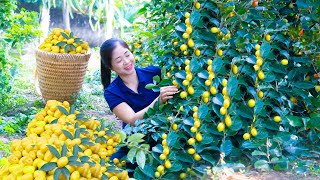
point(224, 109)
point(65, 42)
point(208, 82)
point(198, 136)
point(64, 143)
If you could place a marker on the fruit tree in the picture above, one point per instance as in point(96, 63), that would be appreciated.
point(249, 87)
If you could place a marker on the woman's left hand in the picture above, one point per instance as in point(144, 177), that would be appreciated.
point(167, 92)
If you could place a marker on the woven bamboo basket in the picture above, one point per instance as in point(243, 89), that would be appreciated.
point(61, 76)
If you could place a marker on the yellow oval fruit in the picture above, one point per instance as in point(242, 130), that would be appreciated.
point(198, 137)
point(254, 131)
point(260, 94)
point(235, 69)
point(223, 110)
point(174, 126)
point(62, 162)
point(162, 156)
point(259, 61)
point(187, 15)
point(206, 94)
point(167, 164)
point(160, 168)
point(70, 41)
point(196, 157)
point(187, 62)
point(226, 103)
point(164, 136)
point(197, 52)
point(193, 129)
point(185, 82)
point(213, 90)
point(195, 109)
point(183, 47)
point(183, 94)
point(277, 118)
point(284, 62)
point(211, 76)
point(220, 52)
point(246, 136)
point(256, 67)
point(185, 35)
point(190, 90)
point(75, 175)
point(190, 43)
point(215, 30)
point(268, 37)
point(257, 53)
point(224, 82)
point(197, 5)
point(197, 124)
point(209, 62)
point(208, 82)
point(261, 75)
point(228, 121)
point(156, 174)
point(225, 91)
point(251, 103)
point(189, 30)
point(182, 175)
point(166, 151)
point(189, 77)
point(257, 47)
point(191, 141)
point(191, 151)
point(221, 127)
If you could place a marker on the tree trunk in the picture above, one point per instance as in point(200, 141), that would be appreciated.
point(45, 21)
point(65, 15)
point(110, 16)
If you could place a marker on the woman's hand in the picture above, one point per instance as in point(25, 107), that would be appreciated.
point(166, 93)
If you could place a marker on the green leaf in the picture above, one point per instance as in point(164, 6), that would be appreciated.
point(217, 64)
point(172, 138)
point(55, 121)
point(304, 85)
point(226, 147)
point(209, 158)
point(56, 174)
point(62, 43)
point(67, 133)
point(66, 48)
point(258, 107)
point(66, 172)
point(84, 159)
point(136, 138)
point(141, 158)
point(72, 47)
point(203, 111)
point(294, 121)
point(262, 165)
point(152, 86)
point(63, 110)
point(147, 170)
point(131, 154)
point(265, 49)
point(77, 133)
point(156, 79)
point(64, 35)
point(123, 135)
point(181, 27)
point(232, 85)
point(258, 153)
point(72, 158)
point(64, 150)
point(194, 17)
point(48, 166)
point(54, 151)
point(71, 34)
point(72, 109)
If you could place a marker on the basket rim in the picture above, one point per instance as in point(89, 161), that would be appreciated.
point(61, 54)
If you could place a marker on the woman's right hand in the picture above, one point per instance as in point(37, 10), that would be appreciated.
point(166, 93)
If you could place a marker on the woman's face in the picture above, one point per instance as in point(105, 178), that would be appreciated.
point(122, 61)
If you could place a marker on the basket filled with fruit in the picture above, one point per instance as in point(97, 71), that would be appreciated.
point(62, 61)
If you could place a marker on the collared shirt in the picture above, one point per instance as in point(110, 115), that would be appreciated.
point(117, 92)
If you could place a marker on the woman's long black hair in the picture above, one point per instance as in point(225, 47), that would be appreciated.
point(106, 57)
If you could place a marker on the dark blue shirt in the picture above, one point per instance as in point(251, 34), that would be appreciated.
point(117, 92)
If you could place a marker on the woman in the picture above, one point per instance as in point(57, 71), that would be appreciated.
point(127, 96)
